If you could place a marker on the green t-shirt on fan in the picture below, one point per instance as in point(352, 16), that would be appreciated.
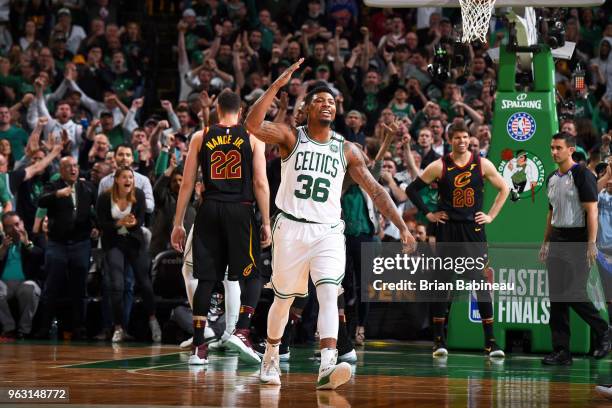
point(116, 136)
point(355, 213)
point(18, 139)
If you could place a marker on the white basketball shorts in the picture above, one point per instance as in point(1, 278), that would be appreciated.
point(299, 248)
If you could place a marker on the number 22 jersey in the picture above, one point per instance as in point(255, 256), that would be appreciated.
point(311, 179)
point(226, 159)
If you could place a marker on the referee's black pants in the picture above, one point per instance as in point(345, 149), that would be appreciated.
point(568, 273)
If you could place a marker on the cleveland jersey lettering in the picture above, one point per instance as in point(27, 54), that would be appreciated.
point(226, 161)
point(461, 189)
point(311, 179)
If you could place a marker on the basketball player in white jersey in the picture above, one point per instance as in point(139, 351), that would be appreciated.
point(308, 234)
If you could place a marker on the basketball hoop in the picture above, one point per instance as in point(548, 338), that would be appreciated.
point(476, 15)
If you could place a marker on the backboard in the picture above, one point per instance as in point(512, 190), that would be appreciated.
point(498, 3)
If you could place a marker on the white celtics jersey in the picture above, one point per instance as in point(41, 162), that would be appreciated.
point(311, 179)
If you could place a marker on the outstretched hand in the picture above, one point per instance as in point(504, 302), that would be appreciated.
point(285, 77)
point(392, 128)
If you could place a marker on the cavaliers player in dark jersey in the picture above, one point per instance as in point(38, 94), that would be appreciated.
point(225, 234)
point(461, 177)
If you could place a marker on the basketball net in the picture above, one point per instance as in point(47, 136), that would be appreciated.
point(476, 15)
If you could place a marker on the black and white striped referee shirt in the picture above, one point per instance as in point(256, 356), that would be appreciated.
point(566, 193)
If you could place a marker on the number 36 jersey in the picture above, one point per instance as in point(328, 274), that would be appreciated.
point(226, 160)
point(311, 179)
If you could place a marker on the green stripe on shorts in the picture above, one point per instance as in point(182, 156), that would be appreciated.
point(329, 280)
point(287, 296)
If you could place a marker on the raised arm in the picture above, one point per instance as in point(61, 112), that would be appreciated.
point(124, 109)
point(338, 61)
point(173, 120)
point(283, 105)
point(205, 102)
point(58, 93)
point(603, 181)
point(360, 173)
point(366, 55)
point(129, 121)
point(225, 77)
point(40, 166)
point(183, 59)
point(269, 132)
point(238, 74)
point(160, 128)
point(413, 170)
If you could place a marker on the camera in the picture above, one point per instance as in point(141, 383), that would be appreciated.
point(567, 109)
point(440, 67)
point(553, 27)
point(556, 34)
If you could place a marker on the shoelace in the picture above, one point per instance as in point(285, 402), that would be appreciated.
point(271, 364)
point(329, 363)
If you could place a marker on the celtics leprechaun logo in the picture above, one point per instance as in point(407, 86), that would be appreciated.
point(523, 172)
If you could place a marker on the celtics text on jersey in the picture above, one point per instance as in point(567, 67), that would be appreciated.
point(311, 179)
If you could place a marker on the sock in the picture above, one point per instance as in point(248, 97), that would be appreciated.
point(232, 304)
point(272, 348)
point(345, 345)
point(438, 329)
point(487, 327)
point(201, 307)
point(198, 331)
point(244, 318)
point(191, 283)
point(249, 296)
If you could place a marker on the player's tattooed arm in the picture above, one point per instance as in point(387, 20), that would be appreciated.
point(275, 133)
point(269, 132)
point(360, 173)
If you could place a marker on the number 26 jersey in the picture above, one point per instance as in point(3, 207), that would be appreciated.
point(461, 189)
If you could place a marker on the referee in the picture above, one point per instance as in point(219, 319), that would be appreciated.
point(569, 250)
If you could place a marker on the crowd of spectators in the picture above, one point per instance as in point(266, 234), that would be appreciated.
point(72, 78)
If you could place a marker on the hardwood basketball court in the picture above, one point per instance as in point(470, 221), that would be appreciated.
point(387, 374)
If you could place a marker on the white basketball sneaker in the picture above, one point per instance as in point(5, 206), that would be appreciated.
point(199, 355)
point(270, 369)
point(187, 343)
point(332, 375)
